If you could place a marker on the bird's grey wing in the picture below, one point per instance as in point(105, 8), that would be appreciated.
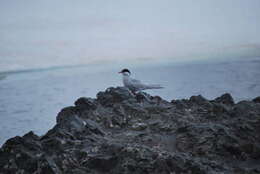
point(134, 81)
point(137, 84)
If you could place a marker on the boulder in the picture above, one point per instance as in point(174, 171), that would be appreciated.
point(119, 132)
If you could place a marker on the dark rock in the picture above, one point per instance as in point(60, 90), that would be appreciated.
point(139, 126)
point(198, 99)
point(141, 97)
point(69, 120)
point(86, 103)
point(124, 133)
point(114, 95)
point(256, 100)
point(225, 99)
point(180, 104)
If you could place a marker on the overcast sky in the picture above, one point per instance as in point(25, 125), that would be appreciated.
point(83, 31)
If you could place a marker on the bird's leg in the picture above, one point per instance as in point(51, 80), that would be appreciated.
point(132, 93)
point(144, 95)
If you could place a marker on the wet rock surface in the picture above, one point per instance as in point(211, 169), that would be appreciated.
point(121, 133)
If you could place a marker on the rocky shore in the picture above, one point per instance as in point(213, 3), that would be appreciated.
point(121, 133)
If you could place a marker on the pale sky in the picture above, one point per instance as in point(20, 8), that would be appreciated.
point(83, 31)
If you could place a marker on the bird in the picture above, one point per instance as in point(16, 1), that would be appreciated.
point(135, 85)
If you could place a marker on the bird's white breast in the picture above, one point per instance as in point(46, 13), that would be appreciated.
point(127, 83)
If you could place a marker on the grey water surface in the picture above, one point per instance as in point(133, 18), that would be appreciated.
point(30, 100)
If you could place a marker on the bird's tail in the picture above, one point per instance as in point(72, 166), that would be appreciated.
point(154, 86)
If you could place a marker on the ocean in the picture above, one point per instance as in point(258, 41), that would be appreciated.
point(30, 99)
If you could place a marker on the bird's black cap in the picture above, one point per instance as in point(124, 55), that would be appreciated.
point(125, 70)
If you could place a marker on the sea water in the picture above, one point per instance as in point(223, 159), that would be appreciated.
point(31, 100)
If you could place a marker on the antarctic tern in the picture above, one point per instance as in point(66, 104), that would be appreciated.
point(135, 85)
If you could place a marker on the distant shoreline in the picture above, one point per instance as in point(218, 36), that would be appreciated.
point(3, 74)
